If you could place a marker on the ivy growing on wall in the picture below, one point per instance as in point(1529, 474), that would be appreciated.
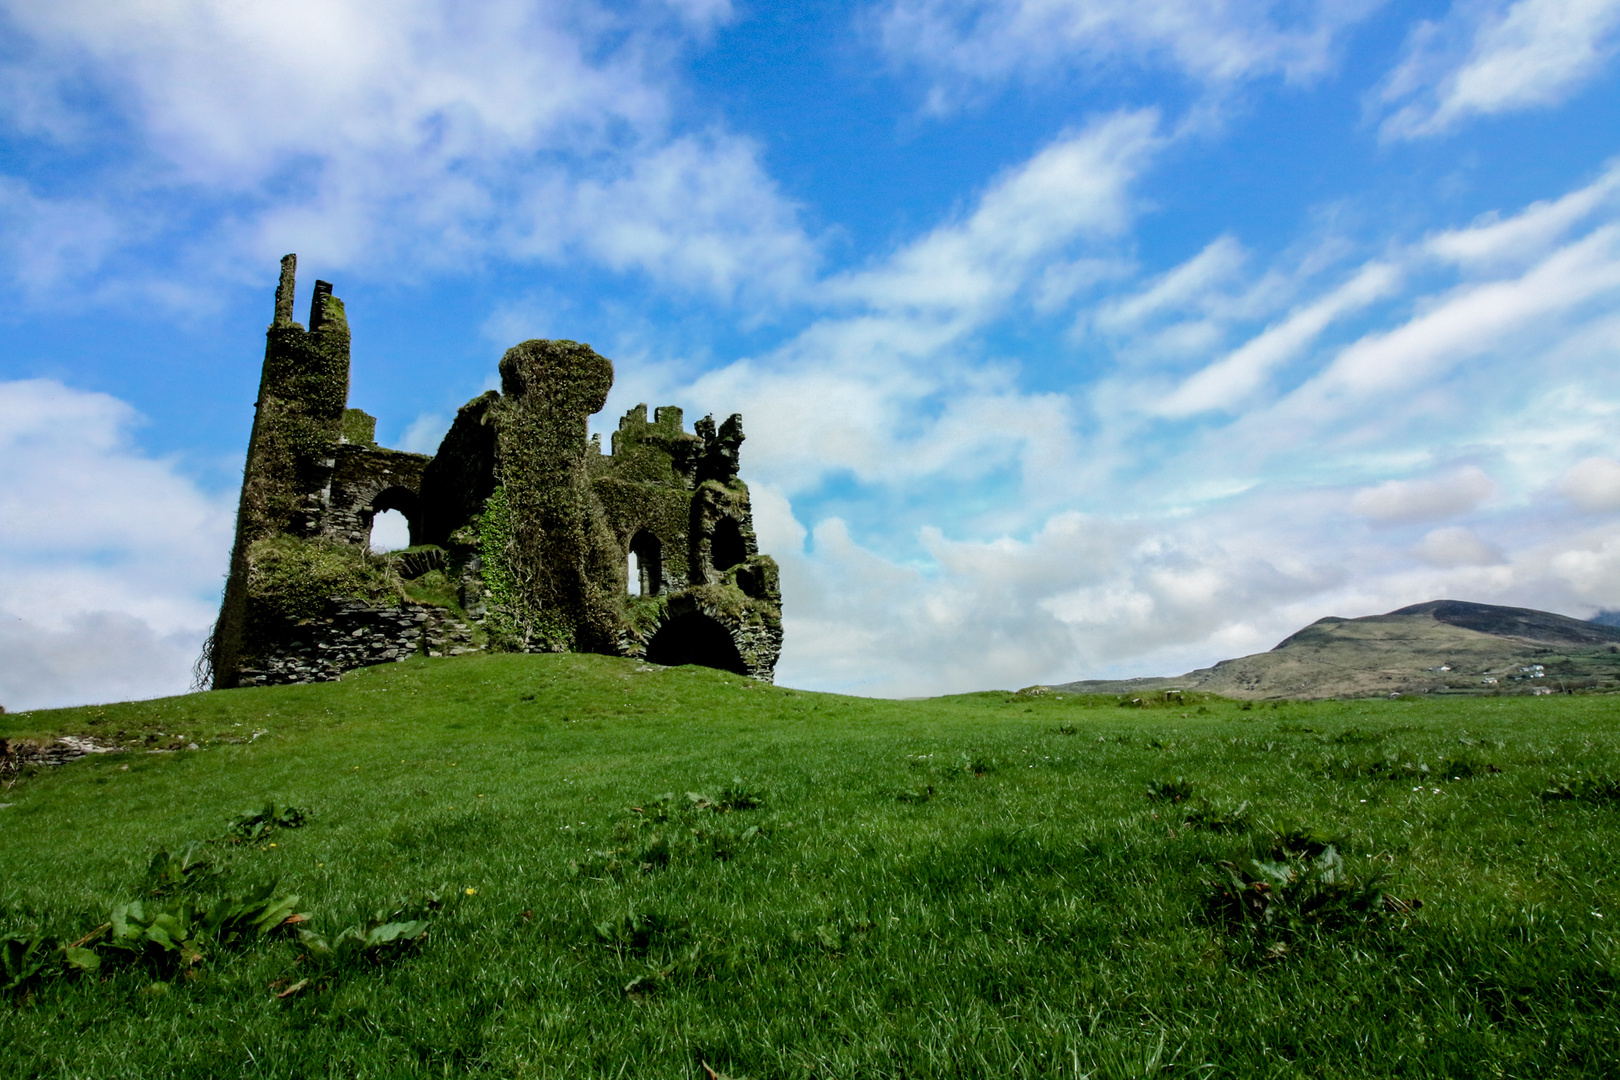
point(568, 568)
point(494, 538)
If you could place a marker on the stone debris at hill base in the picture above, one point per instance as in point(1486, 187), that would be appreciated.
point(1439, 647)
point(19, 754)
point(524, 535)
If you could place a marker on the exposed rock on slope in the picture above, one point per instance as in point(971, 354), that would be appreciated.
point(1441, 646)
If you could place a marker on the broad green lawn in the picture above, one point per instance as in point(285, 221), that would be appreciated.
point(976, 886)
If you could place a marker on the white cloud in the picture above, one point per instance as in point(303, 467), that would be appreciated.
point(1200, 541)
point(1425, 500)
point(410, 135)
point(1192, 286)
point(1456, 546)
point(90, 658)
point(1486, 58)
point(965, 44)
point(1475, 337)
point(1476, 318)
point(882, 389)
point(1241, 372)
point(1593, 484)
point(99, 539)
point(424, 434)
point(1096, 597)
point(1591, 568)
point(698, 213)
point(46, 240)
point(1075, 188)
point(1500, 243)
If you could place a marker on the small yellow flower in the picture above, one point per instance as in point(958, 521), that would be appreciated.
point(272, 845)
point(472, 892)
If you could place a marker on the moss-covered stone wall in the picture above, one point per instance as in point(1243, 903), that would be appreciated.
point(525, 527)
point(567, 566)
point(297, 424)
point(366, 481)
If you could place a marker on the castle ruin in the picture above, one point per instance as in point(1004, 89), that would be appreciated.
point(524, 535)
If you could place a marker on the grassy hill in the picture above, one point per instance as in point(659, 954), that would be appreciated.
point(1443, 646)
point(627, 871)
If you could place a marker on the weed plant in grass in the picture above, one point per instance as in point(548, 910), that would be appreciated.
point(580, 866)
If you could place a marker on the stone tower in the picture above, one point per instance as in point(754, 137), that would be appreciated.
point(525, 536)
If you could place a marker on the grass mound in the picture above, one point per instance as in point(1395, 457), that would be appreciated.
point(571, 865)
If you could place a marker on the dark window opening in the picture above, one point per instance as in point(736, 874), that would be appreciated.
point(727, 549)
point(646, 564)
point(695, 639)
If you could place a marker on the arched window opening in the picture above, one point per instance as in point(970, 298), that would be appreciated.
point(646, 564)
point(390, 531)
point(695, 639)
point(727, 548)
point(392, 514)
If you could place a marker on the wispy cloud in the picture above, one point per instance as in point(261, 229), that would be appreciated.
point(964, 46)
point(1310, 469)
point(46, 240)
point(405, 137)
point(880, 388)
point(1487, 57)
point(1237, 375)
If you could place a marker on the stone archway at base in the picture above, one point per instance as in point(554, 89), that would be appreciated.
point(695, 639)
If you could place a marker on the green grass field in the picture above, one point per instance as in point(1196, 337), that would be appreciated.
point(989, 885)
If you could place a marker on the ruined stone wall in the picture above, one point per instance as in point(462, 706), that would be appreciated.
point(521, 527)
point(461, 476)
point(565, 565)
point(365, 482)
point(297, 422)
point(352, 634)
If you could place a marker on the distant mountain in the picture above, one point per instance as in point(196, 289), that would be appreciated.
point(1443, 646)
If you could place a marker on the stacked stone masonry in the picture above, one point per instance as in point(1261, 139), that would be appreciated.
point(525, 535)
point(357, 634)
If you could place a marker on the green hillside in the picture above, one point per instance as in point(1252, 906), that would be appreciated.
point(1441, 647)
point(628, 871)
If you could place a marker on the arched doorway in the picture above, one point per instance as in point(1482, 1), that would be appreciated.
point(695, 639)
point(727, 549)
point(391, 519)
point(390, 531)
point(646, 571)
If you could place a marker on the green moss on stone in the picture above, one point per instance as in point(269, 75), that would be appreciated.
point(568, 572)
point(290, 579)
point(359, 428)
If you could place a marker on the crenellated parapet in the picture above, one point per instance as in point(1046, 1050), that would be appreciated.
point(525, 535)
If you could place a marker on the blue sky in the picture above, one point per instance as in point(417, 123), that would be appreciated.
point(1073, 338)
